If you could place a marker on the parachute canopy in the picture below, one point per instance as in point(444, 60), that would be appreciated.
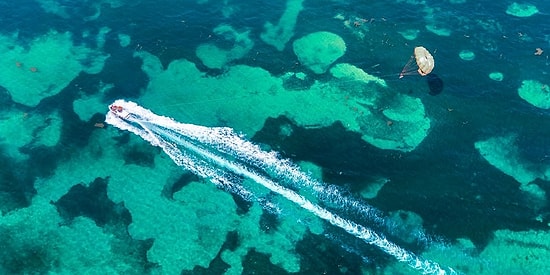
point(424, 63)
point(424, 60)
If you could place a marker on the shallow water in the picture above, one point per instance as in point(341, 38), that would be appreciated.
point(57, 154)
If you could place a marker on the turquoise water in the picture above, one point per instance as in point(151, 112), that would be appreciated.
point(456, 162)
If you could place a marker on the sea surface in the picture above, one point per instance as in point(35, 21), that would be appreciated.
point(456, 163)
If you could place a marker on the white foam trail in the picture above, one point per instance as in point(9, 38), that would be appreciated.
point(285, 171)
point(212, 152)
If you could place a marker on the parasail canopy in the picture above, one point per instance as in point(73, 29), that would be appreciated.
point(424, 60)
point(424, 63)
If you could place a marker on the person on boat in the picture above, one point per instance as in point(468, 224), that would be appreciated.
point(119, 111)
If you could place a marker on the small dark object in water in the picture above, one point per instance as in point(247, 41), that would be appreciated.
point(435, 84)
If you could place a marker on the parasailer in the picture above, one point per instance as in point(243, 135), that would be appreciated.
point(422, 62)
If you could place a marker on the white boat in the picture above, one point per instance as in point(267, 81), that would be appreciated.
point(119, 111)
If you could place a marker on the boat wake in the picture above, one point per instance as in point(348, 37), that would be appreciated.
point(225, 157)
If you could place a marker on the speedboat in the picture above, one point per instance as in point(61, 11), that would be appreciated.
point(119, 111)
